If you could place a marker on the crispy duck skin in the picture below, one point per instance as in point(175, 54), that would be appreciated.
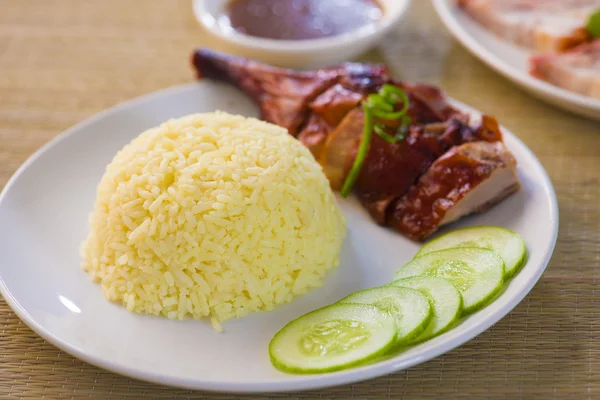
point(467, 179)
point(381, 184)
point(323, 110)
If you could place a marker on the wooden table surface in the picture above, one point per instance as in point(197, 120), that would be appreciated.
point(61, 61)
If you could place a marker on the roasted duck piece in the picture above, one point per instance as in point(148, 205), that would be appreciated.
point(468, 178)
point(577, 70)
point(324, 110)
point(545, 26)
point(283, 95)
point(381, 182)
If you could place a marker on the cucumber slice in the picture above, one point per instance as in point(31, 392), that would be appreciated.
point(333, 338)
point(410, 308)
point(445, 299)
point(508, 244)
point(477, 273)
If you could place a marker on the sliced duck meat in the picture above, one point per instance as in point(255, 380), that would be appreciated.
point(389, 168)
point(545, 26)
point(577, 70)
point(467, 179)
point(381, 183)
point(392, 168)
point(333, 104)
point(324, 109)
point(326, 112)
point(340, 147)
point(314, 134)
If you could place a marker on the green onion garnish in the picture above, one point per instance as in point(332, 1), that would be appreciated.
point(593, 24)
point(363, 149)
point(384, 135)
point(380, 105)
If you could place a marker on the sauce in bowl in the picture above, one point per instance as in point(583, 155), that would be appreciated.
point(300, 19)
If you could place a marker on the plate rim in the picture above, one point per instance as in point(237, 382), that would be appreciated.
point(446, 13)
point(313, 382)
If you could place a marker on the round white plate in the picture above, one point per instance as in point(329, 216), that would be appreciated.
point(510, 60)
point(44, 211)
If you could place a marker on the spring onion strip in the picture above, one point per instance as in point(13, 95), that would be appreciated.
point(384, 135)
point(375, 100)
point(379, 105)
point(363, 149)
point(390, 91)
point(388, 115)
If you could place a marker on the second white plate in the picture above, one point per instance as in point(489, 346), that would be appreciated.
point(510, 60)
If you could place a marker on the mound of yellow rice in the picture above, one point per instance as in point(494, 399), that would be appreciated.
point(212, 215)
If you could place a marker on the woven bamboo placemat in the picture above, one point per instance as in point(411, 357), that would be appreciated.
point(64, 60)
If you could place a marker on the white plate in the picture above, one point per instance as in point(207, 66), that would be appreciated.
point(44, 211)
point(510, 60)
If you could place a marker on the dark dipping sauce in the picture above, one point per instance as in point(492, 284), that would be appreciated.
point(301, 19)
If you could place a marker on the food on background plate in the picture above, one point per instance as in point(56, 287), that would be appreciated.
point(563, 34)
point(299, 19)
point(212, 215)
point(577, 70)
point(545, 26)
point(457, 281)
point(386, 141)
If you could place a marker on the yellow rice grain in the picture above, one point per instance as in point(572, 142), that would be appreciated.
point(212, 215)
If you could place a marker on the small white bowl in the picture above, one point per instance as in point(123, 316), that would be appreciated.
point(311, 53)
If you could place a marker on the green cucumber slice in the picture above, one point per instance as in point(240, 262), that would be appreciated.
point(333, 338)
point(477, 273)
point(445, 299)
point(409, 307)
point(508, 244)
